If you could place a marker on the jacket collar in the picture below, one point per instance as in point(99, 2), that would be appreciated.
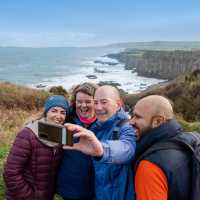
point(119, 115)
point(167, 130)
point(33, 126)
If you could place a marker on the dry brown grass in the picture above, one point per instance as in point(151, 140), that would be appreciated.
point(12, 120)
point(13, 96)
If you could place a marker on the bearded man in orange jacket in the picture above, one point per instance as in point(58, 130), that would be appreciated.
point(163, 174)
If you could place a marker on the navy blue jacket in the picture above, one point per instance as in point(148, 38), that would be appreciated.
point(76, 174)
point(174, 163)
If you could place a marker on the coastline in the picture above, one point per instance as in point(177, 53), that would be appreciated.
point(161, 64)
point(67, 67)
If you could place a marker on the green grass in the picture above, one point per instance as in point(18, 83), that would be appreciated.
point(4, 148)
point(1, 189)
point(193, 126)
point(58, 198)
point(3, 151)
point(3, 154)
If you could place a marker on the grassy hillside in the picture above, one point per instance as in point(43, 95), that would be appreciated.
point(160, 45)
point(184, 92)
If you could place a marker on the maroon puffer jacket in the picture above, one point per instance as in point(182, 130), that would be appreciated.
point(31, 168)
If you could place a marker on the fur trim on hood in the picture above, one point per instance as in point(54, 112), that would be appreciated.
point(34, 127)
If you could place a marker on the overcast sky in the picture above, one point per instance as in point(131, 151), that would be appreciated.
point(45, 23)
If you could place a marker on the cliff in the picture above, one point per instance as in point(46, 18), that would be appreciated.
point(159, 64)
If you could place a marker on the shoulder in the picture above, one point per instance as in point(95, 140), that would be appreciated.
point(125, 127)
point(150, 171)
point(25, 133)
point(25, 137)
point(174, 160)
point(76, 120)
point(155, 181)
point(22, 144)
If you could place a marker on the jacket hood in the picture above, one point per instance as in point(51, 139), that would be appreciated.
point(118, 116)
point(34, 128)
point(165, 131)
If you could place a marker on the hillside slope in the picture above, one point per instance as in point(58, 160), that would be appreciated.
point(184, 92)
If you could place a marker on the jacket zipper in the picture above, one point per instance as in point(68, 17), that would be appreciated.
point(54, 151)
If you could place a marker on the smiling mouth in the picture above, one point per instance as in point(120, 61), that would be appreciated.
point(136, 130)
point(100, 114)
point(84, 111)
point(57, 121)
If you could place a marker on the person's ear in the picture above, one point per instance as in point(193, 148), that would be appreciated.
point(157, 121)
point(119, 103)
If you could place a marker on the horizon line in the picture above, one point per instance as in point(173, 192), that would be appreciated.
point(103, 45)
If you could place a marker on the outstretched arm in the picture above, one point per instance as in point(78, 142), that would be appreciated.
point(110, 151)
point(120, 151)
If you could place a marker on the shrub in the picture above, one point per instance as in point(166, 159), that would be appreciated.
point(58, 90)
point(12, 96)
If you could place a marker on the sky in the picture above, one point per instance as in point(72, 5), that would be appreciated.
point(56, 23)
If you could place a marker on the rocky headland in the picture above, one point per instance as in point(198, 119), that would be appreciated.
point(180, 67)
point(162, 64)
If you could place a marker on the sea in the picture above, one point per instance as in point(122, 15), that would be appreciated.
point(43, 68)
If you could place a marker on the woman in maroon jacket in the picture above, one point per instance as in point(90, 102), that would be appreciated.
point(32, 163)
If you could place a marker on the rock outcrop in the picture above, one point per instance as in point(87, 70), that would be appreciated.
point(159, 64)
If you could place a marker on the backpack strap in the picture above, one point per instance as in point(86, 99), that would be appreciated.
point(116, 129)
point(165, 145)
point(191, 140)
point(183, 141)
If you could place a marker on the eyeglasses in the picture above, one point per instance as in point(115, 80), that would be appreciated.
point(87, 102)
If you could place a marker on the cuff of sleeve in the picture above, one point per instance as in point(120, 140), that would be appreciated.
point(106, 153)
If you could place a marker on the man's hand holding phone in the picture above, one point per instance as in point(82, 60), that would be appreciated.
point(88, 142)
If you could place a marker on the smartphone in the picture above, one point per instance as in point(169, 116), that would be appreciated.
point(55, 133)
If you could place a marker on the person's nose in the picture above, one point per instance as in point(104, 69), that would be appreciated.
point(132, 121)
point(83, 104)
point(98, 106)
point(59, 115)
